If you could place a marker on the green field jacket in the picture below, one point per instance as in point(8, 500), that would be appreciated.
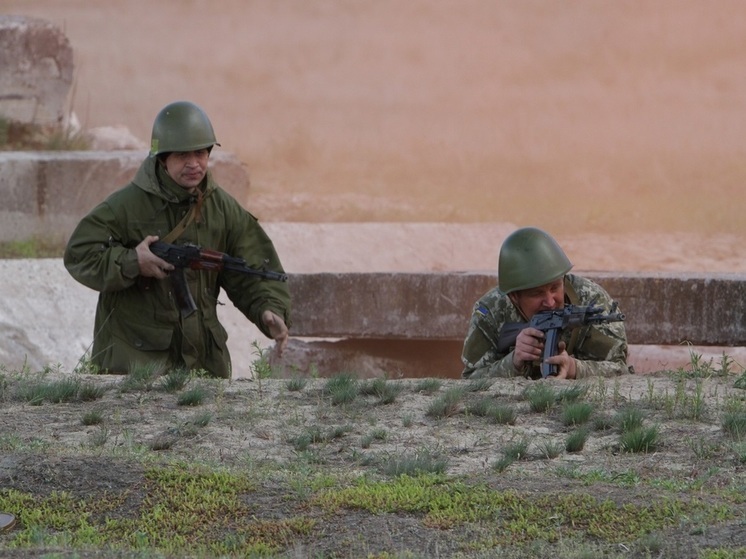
point(137, 319)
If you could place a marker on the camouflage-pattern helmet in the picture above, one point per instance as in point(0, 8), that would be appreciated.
point(181, 126)
point(529, 258)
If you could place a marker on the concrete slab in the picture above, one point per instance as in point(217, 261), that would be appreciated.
point(46, 193)
point(46, 318)
point(667, 309)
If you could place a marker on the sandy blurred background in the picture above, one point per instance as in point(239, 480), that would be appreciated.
point(619, 126)
point(582, 115)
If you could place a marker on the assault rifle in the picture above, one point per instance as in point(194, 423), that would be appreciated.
point(552, 323)
point(197, 258)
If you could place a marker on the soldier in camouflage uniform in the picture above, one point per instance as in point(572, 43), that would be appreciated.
point(533, 276)
point(174, 198)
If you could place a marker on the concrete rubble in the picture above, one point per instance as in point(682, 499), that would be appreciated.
point(37, 71)
point(47, 193)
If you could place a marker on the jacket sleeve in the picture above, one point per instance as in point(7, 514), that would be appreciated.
point(603, 352)
point(96, 256)
point(480, 356)
point(253, 295)
point(585, 369)
point(501, 368)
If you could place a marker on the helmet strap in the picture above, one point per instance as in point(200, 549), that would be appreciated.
point(514, 299)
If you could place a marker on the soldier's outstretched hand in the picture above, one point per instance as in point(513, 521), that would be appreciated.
point(278, 330)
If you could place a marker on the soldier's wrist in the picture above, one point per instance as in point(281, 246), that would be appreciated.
point(129, 265)
point(518, 368)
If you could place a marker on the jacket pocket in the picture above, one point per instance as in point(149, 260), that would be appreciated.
point(597, 345)
point(217, 358)
point(142, 337)
point(216, 329)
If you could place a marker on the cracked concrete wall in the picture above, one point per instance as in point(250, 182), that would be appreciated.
point(36, 71)
point(46, 317)
point(47, 193)
point(660, 308)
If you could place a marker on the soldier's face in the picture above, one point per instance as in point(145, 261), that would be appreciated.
point(546, 297)
point(187, 168)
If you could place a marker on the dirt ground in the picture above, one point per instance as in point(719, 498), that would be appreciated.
point(254, 427)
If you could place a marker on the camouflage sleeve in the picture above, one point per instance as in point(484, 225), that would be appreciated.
point(586, 369)
point(480, 356)
point(501, 368)
point(603, 349)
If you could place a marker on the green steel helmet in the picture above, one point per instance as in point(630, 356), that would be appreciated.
point(529, 258)
point(181, 126)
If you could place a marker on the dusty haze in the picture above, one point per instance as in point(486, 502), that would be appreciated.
point(609, 117)
point(618, 126)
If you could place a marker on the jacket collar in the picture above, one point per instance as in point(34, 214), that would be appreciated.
point(152, 179)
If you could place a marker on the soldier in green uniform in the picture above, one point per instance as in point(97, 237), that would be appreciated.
point(533, 276)
point(173, 197)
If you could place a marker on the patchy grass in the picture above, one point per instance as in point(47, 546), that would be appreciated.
point(33, 247)
point(122, 466)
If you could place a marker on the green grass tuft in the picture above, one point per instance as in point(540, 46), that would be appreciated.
point(421, 462)
point(734, 424)
point(447, 405)
point(576, 413)
point(640, 439)
point(342, 389)
point(193, 397)
point(575, 441)
point(541, 397)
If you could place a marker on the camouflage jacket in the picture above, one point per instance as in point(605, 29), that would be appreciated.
point(138, 322)
point(599, 349)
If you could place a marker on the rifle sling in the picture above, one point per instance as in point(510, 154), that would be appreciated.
point(146, 283)
point(177, 231)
